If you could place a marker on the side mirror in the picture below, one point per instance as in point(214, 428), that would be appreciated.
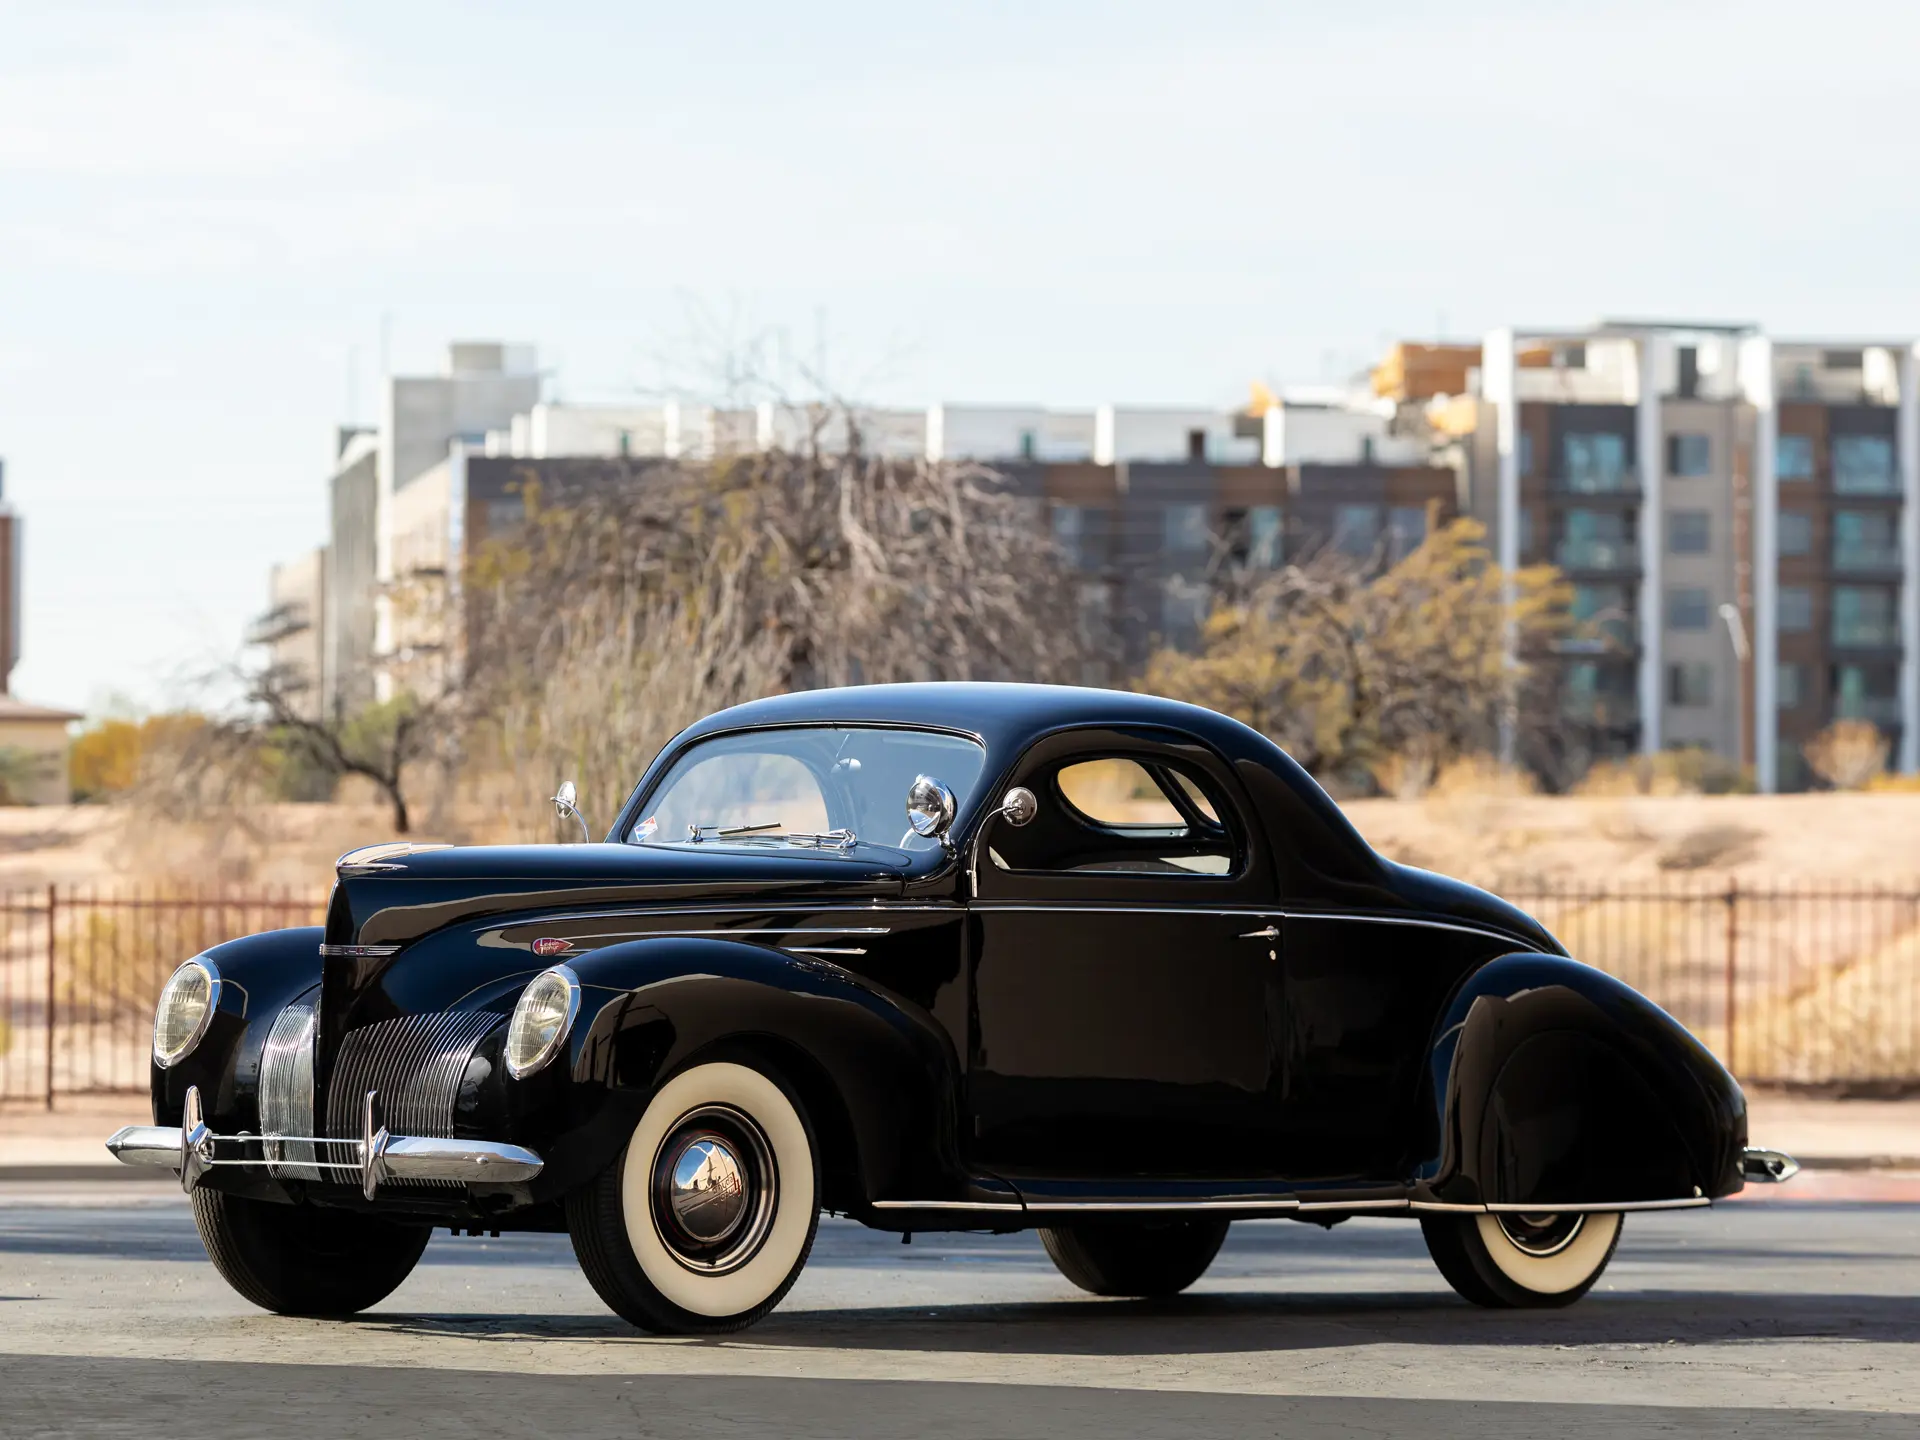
point(564, 805)
point(930, 807)
point(1019, 805)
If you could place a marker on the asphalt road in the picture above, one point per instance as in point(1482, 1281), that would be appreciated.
point(1756, 1319)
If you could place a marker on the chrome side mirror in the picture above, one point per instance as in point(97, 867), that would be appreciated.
point(930, 807)
point(564, 805)
point(1019, 805)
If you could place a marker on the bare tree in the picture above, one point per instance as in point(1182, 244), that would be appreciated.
point(646, 594)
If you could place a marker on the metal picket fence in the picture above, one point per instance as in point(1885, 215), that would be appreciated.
point(1789, 984)
point(80, 970)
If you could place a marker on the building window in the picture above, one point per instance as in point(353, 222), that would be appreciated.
point(1788, 686)
point(1081, 533)
point(1265, 546)
point(1865, 540)
point(1183, 609)
point(1594, 463)
point(1863, 465)
point(1793, 457)
point(1689, 608)
point(1526, 452)
point(1183, 531)
point(1028, 445)
point(1794, 611)
point(1406, 530)
point(1864, 616)
point(1356, 530)
point(506, 514)
point(1689, 455)
point(1796, 532)
point(1196, 445)
point(1871, 693)
point(1689, 532)
point(1690, 684)
point(1595, 540)
point(1605, 614)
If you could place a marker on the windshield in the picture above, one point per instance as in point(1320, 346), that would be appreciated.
point(818, 786)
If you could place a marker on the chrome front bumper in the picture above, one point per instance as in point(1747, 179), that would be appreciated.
point(376, 1157)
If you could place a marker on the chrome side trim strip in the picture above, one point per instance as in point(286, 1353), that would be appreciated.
point(1355, 1204)
point(948, 1205)
point(1292, 1205)
point(827, 949)
point(748, 906)
point(755, 930)
point(1227, 912)
point(359, 952)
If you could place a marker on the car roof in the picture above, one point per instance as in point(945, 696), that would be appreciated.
point(1001, 715)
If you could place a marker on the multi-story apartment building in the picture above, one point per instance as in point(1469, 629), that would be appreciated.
point(1736, 517)
point(1837, 486)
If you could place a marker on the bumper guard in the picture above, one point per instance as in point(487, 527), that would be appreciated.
point(1768, 1167)
point(376, 1157)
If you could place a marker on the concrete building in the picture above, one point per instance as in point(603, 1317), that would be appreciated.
point(12, 536)
point(342, 656)
point(293, 629)
point(1738, 518)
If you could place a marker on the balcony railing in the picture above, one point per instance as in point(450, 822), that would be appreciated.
point(1866, 557)
point(1866, 634)
point(1605, 555)
point(1880, 709)
point(1596, 482)
point(1602, 712)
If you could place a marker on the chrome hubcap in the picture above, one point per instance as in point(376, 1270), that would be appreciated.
point(714, 1188)
point(1541, 1235)
point(706, 1189)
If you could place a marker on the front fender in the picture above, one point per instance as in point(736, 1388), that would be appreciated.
point(876, 1073)
point(259, 975)
point(1554, 1082)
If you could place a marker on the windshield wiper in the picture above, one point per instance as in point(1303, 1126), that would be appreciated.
point(773, 830)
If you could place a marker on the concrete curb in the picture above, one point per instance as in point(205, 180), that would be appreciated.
point(72, 1174)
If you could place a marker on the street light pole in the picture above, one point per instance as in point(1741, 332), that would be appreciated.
point(1743, 653)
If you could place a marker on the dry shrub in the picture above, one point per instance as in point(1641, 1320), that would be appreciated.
point(1890, 783)
point(1837, 1024)
point(1483, 775)
point(1848, 754)
point(1688, 771)
point(1406, 774)
point(1708, 846)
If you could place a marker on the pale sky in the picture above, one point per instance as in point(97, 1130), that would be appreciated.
point(205, 211)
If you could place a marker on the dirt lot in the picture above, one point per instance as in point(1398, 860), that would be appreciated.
point(1484, 838)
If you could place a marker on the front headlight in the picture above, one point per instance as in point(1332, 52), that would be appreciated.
point(541, 1020)
point(186, 1005)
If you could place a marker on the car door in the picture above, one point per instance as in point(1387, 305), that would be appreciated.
point(1124, 969)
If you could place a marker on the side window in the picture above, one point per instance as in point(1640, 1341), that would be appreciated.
point(1121, 815)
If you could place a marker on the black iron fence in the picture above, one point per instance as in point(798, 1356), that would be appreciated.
point(80, 970)
point(1791, 984)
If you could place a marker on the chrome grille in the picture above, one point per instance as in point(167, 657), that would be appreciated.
point(416, 1064)
point(286, 1092)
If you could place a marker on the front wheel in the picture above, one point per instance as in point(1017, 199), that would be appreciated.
point(1513, 1260)
point(705, 1221)
point(305, 1259)
point(1139, 1258)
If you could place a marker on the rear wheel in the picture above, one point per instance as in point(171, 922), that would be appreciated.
point(305, 1259)
point(1138, 1257)
point(705, 1221)
point(1522, 1259)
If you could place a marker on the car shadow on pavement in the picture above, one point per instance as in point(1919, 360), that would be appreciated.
point(1230, 1323)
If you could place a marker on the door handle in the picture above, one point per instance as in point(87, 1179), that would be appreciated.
point(1272, 932)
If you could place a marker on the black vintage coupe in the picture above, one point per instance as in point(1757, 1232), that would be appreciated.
point(934, 957)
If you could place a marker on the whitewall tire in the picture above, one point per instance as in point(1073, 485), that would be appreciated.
point(1514, 1260)
point(706, 1219)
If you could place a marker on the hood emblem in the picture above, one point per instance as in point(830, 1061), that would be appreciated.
point(551, 945)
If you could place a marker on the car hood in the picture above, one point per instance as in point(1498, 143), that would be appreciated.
point(388, 896)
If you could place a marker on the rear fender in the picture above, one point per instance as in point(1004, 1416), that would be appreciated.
point(1554, 1082)
point(878, 1075)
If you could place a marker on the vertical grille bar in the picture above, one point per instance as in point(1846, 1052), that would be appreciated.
point(286, 1092)
point(416, 1063)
